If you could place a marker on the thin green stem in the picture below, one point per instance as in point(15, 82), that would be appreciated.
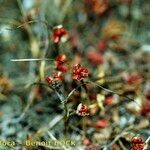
point(113, 92)
point(30, 22)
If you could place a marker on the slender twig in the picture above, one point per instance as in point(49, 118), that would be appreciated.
point(9, 21)
point(146, 143)
point(69, 95)
point(148, 139)
point(64, 102)
point(53, 138)
point(55, 121)
point(121, 145)
point(23, 14)
point(113, 92)
point(65, 9)
point(84, 86)
point(66, 116)
point(30, 100)
point(30, 22)
point(117, 137)
point(45, 49)
point(76, 129)
point(32, 59)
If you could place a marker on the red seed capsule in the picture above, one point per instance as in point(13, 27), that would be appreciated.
point(49, 79)
point(59, 34)
point(79, 73)
point(61, 68)
point(82, 110)
point(58, 76)
point(60, 63)
point(137, 143)
point(61, 59)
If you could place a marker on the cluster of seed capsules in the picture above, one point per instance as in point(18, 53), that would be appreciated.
point(78, 73)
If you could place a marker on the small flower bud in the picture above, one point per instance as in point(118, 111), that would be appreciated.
point(82, 110)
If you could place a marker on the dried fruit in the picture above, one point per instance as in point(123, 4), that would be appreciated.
point(60, 34)
point(60, 63)
point(137, 143)
point(49, 79)
point(56, 80)
point(61, 59)
point(61, 68)
point(79, 72)
point(58, 76)
point(82, 110)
